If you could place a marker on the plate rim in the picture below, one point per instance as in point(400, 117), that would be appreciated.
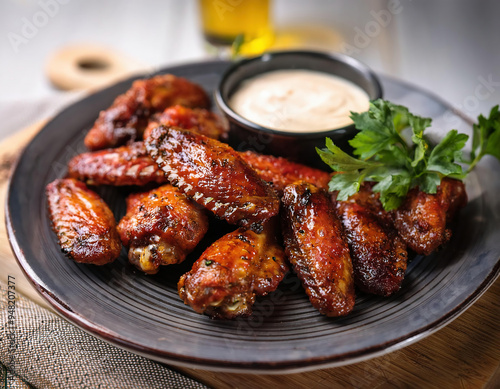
point(303, 365)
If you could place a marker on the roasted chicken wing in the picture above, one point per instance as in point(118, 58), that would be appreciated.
point(421, 220)
point(127, 118)
point(281, 172)
point(316, 247)
point(205, 122)
point(161, 227)
point(214, 175)
point(225, 280)
point(125, 165)
point(84, 224)
point(379, 255)
point(132, 165)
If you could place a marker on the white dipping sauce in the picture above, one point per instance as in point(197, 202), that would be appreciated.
point(299, 100)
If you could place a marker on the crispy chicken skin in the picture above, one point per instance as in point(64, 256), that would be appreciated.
point(317, 249)
point(161, 227)
point(132, 165)
point(84, 224)
point(125, 165)
point(422, 218)
point(214, 175)
point(281, 172)
point(205, 122)
point(379, 255)
point(228, 276)
point(128, 116)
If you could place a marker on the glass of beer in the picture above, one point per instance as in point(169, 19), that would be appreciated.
point(245, 21)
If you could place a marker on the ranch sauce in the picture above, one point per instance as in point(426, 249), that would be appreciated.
point(299, 100)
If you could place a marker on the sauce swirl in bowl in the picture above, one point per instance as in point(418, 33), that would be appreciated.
point(299, 100)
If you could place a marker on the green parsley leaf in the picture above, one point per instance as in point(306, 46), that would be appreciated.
point(378, 130)
point(236, 46)
point(428, 182)
point(346, 184)
point(353, 170)
point(393, 188)
point(339, 160)
point(386, 157)
point(384, 154)
point(445, 153)
point(486, 137)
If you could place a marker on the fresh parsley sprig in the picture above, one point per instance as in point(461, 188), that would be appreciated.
point(397, 159)
point(485, 137)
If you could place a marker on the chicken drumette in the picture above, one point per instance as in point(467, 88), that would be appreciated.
point(161, 227)
point(228, 276)
point(205, 122)
point(128, 116)
point(422, 218)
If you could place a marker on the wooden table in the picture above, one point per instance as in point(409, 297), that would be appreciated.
point(464, 354)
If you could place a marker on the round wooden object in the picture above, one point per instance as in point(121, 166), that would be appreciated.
point(87, 66)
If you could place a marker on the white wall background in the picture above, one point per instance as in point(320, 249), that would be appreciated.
point(444, 46)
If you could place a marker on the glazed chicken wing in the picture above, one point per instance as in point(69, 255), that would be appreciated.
point(84, 224)
point(281, 172)
point(317, 249)
point(132, 165)
point(379, 255)
point(128, 116)
point(225, 280)
point(421, 220)
point(125, 165)
point(161, 227)
point(214, 175)
point(205, 122)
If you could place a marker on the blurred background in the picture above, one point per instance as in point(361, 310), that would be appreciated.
point(450, 48)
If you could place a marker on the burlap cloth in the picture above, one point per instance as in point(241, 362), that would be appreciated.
point(38, 349)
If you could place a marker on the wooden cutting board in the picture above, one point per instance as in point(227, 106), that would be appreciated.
point(464, 354)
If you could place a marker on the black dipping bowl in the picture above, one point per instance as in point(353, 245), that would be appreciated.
point(246, 135)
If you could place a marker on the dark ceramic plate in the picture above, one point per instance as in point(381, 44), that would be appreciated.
point(144, 314)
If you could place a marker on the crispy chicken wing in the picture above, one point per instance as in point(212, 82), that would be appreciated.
point(125, 165)
point(281, 172)
point(161, 227)
point(379, 255)
point(316, 247)
point(84, 224)
point(421, 220)
point(241, 265)
point(214, 175)
point(127, 118)
point(205, 122)
point(132, 165)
